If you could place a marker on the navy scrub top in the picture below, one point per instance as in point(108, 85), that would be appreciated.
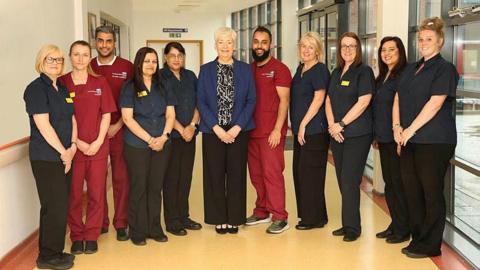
point(344, 92)
point(301, 96)
point(437, 77)
point(382, 110)
point(41, 97)
point(149, 109)
point(185, 91)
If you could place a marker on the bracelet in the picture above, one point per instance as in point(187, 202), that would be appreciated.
point(73, 143)
point(150, 140)
point(396, 126)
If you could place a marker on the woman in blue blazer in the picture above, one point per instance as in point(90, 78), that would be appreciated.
point(226, 100)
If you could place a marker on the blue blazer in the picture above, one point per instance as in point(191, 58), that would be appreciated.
point(244, 99)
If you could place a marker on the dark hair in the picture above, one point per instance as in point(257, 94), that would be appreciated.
point(105, 29)
point(263, 30)
point(402, 59)
point(358, 55)
point(85, 44)
point(138, 68)
point(168, 48)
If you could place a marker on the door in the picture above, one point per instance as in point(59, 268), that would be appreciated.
point(193, 52)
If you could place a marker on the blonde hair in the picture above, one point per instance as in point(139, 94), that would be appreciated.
point(43, 53)
point(314, 39)
point(434, 24)
point(225, 31)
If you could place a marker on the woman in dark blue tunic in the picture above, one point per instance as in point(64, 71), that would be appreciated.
point(350, 125)
point(391, 62)
point(428, 136)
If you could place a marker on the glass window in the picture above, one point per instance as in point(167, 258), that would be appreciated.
point(372, 56)
point(428, 8)
point(262, 16)
point(315, 24)
point(353, 19)
point(468, 56)
point(302, 4)
point(371, 18)
point(467, 203)
point(322, 29)
point(331, 50)
point(467, 3)
point(303, 25)
point(252, 17)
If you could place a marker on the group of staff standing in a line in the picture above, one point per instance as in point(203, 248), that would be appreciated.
point(241, 110)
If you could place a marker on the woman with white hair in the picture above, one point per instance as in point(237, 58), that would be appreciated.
point(226, 100)
point(309, 125)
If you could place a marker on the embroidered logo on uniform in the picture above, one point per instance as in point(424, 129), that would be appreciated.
point(269, 74)
point(69, 100)
point(120, 75)
point(345, 83)
point(72, 94)
point(98, 92)
point(142, 93)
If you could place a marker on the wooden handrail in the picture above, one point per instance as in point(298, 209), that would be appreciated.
point(16, 142)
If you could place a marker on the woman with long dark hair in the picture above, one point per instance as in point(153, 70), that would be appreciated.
point(391, 62)
point(149, 114)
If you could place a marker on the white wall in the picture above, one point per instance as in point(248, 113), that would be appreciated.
point(24, 27)
point(386, 26)
point(19, 205)
point(290, 34)
point(149, 23)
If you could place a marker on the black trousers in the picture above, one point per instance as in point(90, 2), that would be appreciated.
point(350, 158)
point(423, 175)
point(225, 179)
point(53, 187)
point(394, 192)
point(309, 171)
point(146, 171)
point(176, 188)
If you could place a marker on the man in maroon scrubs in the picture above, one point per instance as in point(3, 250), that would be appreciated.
point(116, 70)
point(267, 141)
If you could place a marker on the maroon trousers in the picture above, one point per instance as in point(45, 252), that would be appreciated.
point(119, 184)
point(93, 172)
point(266, 166)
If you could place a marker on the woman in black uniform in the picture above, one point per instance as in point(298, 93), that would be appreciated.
point(425, 128)
point(391, 63)
point(149, 114)
point(53, 132)
point(183, 83)
point(350, 125)
point(309, 125)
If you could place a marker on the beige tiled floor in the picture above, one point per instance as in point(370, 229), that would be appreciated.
point(252, 248)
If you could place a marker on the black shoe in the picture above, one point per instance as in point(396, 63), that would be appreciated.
point(350, 237)
point(104, 230)
point(91, 247)
point(59, 263)
point(138, 242)
point(302, 226)
point(160, 238)
point(232, 229)
point(77, 247)
point(122, 234)
point(220, 229)
point(192, 225)
point(395, 239)
point(68, 256)
point(384, 234)
point(415, 255)
point(177, 232)
point(339, 232)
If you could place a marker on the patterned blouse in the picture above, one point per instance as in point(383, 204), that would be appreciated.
point(225, 93)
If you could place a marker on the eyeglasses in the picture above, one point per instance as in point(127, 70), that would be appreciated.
point(150, 61)
point(348, 47)
point(175, 56)
point(51, 60)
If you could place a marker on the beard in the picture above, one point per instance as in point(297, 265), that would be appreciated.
point(260, 58)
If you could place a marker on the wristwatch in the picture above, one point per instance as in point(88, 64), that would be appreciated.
point(167, 134)
point(194, 124)
point(342, 124)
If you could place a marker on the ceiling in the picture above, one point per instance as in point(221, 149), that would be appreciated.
point(188, 6)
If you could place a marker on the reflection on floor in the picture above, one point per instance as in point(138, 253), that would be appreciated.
point(252, 248)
